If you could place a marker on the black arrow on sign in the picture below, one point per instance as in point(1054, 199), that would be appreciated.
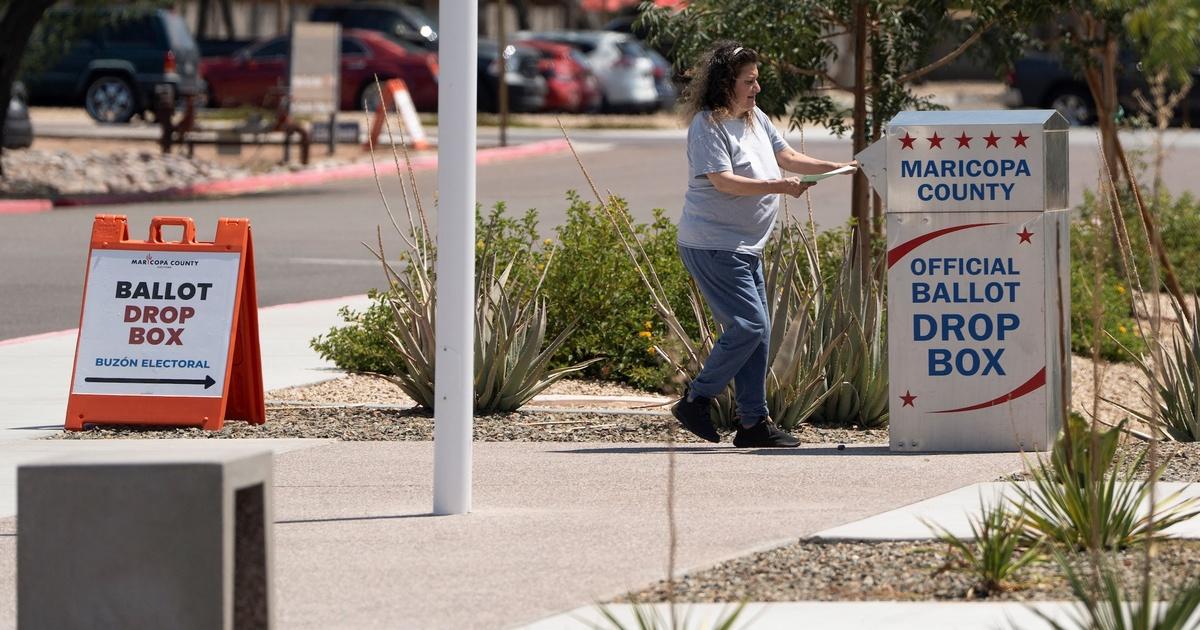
point(207, 381)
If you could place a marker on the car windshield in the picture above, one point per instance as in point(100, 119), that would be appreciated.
point(417, 16)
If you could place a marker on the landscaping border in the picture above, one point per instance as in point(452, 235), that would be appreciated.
point(271, 181)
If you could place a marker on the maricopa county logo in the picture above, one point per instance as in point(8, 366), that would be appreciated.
point(162, 263)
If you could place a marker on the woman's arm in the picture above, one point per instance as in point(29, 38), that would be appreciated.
point(792, 160)
point(730, 184)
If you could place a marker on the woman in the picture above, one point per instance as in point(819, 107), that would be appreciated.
point(734, 160)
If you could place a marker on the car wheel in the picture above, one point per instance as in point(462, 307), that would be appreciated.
point(110, 99)
point(1075, 105)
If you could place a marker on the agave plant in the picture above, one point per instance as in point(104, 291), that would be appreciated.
point(799, 349)
point(511, 351)
point(857, 377)
point(649, 617)
point(1083, 498)
point(1106, 604)
point(1173, 393)
point(996, 550)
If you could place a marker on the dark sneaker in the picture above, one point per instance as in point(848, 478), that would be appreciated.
point(765, 434)
point(694, 416)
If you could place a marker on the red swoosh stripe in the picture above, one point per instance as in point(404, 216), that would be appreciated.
point(1031, 385)
point(901, 250)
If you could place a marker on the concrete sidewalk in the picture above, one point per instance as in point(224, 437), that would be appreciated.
point(554, 527)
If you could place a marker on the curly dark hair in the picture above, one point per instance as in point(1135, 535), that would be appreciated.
point(713, 79)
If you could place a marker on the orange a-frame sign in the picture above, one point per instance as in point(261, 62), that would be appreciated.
point(168, 331)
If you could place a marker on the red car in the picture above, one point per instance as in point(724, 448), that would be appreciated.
point(256, 76)
point(570, 84)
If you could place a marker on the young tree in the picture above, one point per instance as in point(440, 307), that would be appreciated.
point(891, 46)
point(1092, 35)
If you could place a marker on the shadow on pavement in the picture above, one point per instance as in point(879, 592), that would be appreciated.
point(344, 519)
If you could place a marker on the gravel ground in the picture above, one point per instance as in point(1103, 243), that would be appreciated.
point(1182, 461)
point(379, 424)
point(896, 571)
point(363, 388)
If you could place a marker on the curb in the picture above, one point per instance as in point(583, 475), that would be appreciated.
point(272, 181)
point(25, 206)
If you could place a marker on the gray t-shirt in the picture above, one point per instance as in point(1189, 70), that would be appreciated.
point(715, 220)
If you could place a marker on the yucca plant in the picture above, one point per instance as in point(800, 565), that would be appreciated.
point(857, 377)
point(1083, 498)
point(1106, 604)
point(1173, 391)
point(511, 351)
point(996, 550)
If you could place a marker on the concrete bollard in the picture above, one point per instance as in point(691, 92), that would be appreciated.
point(176, 540)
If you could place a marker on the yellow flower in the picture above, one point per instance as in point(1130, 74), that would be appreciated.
point(1122, 329)
point(540, 266)
point(478, 244)
point(548, 242)
point(645, 334)
point(1120, 289)
point(650, 350)
point(649, 325)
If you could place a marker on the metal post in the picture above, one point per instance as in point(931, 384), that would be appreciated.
point(454, 373)
point(502, 94)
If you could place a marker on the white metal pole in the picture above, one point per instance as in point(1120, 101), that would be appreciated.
point(454, 373)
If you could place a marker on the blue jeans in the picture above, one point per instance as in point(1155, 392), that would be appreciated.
point(732, 285)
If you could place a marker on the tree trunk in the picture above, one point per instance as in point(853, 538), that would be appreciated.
point(15, 29)
point(522, 8)
point(860, 204)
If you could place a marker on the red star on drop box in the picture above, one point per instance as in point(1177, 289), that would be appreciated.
point(992, 139)
point(1024, 235)
point(907, 141)
point(964, 140)
point(908, 399)
point(1019, 140)
point(935, 141)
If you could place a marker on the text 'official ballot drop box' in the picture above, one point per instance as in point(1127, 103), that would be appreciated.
point(978, 275)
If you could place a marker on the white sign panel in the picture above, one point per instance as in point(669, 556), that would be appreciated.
point(156, 323)
point(965, 168)
point(314, 69)
point(967, 327)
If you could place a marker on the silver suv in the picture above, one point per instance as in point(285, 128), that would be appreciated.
point(625, 70)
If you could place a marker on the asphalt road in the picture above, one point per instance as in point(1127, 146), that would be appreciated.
point(308, 242)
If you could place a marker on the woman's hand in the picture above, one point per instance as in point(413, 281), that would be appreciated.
point(792, 186)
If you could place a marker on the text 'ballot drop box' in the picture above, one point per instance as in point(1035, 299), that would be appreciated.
point(978, 275)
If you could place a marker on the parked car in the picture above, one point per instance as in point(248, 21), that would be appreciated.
point(18, 129)
point(117, 71)
point(1042, 80)
point(664, 75)
point(570, 84)
point(625, 71)
point(257, 76)
point(526, 85)
point(398, 21)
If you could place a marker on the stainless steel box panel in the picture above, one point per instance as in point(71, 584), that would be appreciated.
point(1057, 170)
point(967, 327)
point(975, 161)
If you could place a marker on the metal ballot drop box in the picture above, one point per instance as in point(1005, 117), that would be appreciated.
point(978, 276)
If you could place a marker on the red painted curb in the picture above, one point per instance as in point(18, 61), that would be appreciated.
point(25, 206)
point(277, 181)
